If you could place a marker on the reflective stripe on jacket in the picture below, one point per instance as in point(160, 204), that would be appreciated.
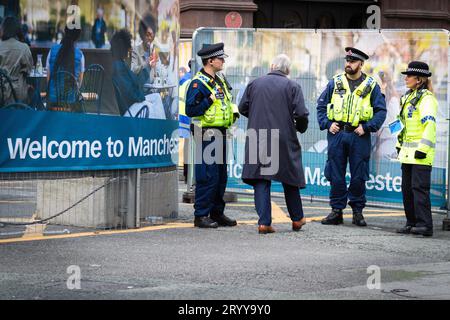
point(418, 115)
point(351, 107)
point(220, 113)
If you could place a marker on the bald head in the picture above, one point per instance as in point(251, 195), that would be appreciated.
point(281, 63)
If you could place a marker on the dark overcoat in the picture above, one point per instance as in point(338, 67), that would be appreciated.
point(272, 103)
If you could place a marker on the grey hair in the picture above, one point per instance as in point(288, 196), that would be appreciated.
point(281, 63)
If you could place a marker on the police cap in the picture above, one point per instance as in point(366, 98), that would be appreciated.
point(355, 54)
point(418, 68)
point(212, 51)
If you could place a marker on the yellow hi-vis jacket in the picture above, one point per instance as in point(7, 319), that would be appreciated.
point(220, 113)
point(351, 107)
point(418, 115)
point(183, 119)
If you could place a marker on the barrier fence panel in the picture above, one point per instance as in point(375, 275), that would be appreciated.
point(65, 168)
point(37, 203)
point(318, 55)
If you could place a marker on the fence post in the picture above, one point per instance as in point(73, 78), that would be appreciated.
point(446, 222)
point(133, 199)
point(138, 198)
point(189, 195)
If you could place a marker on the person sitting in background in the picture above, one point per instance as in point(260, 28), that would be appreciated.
point(128, 89)
point(144, 58)
point(16, 60)
point(64, 57)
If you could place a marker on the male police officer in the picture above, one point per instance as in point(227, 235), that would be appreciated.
point(208, 101)
point(351, 107)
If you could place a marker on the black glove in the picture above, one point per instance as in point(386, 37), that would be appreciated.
point(236, 116)
point(419, 155)
point(398, 150)
point(301, 124)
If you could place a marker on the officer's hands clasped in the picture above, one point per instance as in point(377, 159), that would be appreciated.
point(334, 128)
point(359, 131)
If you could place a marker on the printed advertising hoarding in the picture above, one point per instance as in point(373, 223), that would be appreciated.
point(318, 55)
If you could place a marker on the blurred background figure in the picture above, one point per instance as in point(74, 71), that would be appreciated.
point(99, 30)
point(65, 57)
point(129, 90)
point(385, 141)
point(185, 74)
point(144, 56)
point(15, 60)
point(26, 30)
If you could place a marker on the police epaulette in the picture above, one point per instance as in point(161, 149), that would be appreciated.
point(367, 88)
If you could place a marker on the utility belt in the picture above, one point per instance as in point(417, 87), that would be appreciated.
point(347, 127)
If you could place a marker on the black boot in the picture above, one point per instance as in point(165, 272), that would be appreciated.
point(205, 222)
point(223, 220)
point(334, 218)
point(404, 230)
point(424, 231)
point(358, 219)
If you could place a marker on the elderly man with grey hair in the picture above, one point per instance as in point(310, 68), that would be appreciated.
point(275, 108)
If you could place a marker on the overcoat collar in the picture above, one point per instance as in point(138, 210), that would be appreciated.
point(277, 73)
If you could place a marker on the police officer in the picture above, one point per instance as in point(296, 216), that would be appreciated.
point(351, 107)
point(208, 102)
point(416, 148)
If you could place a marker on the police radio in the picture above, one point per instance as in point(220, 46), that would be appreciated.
point(416, 99)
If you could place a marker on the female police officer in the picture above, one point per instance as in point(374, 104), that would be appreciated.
point(416, 148)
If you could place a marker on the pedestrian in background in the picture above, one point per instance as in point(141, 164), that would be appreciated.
point(274, 106)
point(26, 30)
point(350, 109)
point(99, 30)
point(416, 148)
point(185, 75)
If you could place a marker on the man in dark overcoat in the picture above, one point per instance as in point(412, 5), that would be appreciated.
point(275, 108)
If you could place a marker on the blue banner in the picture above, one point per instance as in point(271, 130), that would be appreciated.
point(384, 184)
point(59, 141)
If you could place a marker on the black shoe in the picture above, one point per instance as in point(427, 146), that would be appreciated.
point(424, 231)
point(358, 219)
point(223, 220)
point(205, 222)
point(334, 218)
point(405, 230)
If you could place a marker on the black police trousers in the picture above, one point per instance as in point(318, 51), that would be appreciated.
point(416, 182)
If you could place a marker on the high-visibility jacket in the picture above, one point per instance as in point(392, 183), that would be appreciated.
point(183, 119)
point(351, 107)
point(220, 113)
point(418, 115)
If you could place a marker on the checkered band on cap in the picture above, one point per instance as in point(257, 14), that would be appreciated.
point(213, 54)
point(424, 71)
point(355, 55)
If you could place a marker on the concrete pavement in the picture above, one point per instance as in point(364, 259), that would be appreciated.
point(182, 262)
